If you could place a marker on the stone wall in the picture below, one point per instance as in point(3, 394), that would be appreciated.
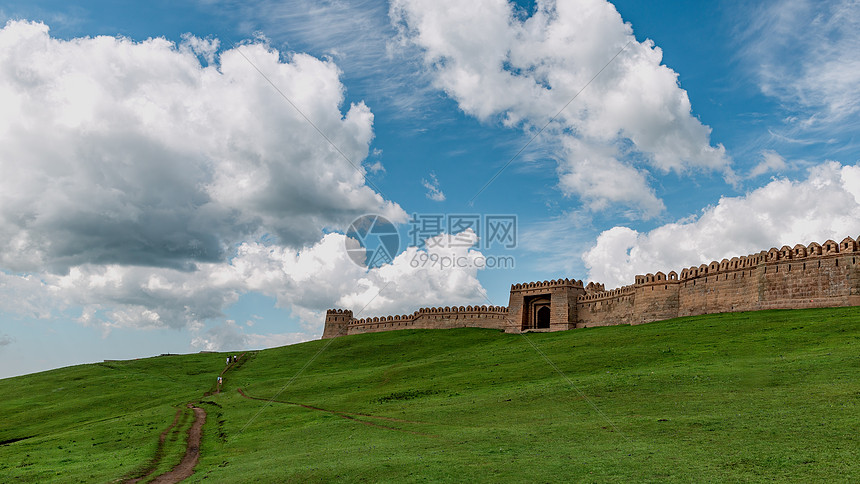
point(491, 317)
point(826, 275)
point(812, 276)
point(606, 308)
point(789, 278)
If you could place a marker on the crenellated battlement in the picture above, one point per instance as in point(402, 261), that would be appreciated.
point(437, 311)
point(618, 292)
point(464, 309)
point(546, 284)
point(799, 276)
point(382, 319)
point(594, 288)
point(658, 278)
point(785, 254)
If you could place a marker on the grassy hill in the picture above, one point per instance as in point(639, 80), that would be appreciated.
point(762, 396)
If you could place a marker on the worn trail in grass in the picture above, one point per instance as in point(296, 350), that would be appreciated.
point(761, 396)
point(753, 396)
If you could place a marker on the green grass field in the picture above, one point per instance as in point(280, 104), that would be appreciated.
point(766, 396)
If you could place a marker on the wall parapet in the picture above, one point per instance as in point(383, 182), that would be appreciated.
point(434, 311)
point(462, 309)
point(612, 293)
point(799, 252)
point(546, 284)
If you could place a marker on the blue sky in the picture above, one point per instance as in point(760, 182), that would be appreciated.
point(160, 193)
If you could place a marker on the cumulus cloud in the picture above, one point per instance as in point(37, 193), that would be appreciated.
point(771, 162)
point(306, 282)
point(433, 191)
point(26, 295)
point(593, 171)
point(826, 205)
point(323, 275)
point(444, 272)
point(134, 153)
point(498, 63)
point(149, 185)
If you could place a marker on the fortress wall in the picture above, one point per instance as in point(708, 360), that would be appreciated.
point(491, 317)
point(488, 320)
point(655, 301)
point(606, 308)
point(379, 327)
point(787, 278)
point(817, 275)
point(653, 297)
point(717, 293)
point(826, 281)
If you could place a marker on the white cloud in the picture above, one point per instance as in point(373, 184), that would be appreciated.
point(445, 272)
point(26, 295)
point(324, 276)
point(593, 171)
point(433, 191)
point(205, 48)
point(771, 161)
point(142, 189)
point(123, 152)
point(497, 65)
point(826, 205)
point(307, 282)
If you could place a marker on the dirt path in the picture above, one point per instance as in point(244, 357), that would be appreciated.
point(158, 450)
point(235, 364)
point(192, 451)
point(192, 448)
point(346, 415)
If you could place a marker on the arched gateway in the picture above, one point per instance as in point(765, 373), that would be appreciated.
point(548, 305)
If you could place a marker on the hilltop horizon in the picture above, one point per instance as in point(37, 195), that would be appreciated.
point(216, 174)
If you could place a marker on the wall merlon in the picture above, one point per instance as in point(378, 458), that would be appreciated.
point(613, 293)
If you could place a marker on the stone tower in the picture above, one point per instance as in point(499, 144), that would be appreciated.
point(336, 321)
